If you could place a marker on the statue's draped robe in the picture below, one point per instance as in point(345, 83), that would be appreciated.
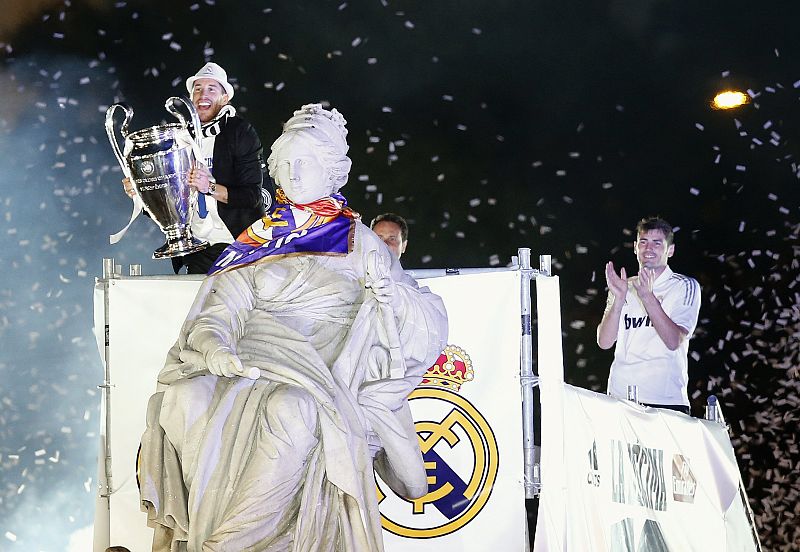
point(285, 462)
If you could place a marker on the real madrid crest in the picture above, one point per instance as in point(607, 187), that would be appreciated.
point(459, 450)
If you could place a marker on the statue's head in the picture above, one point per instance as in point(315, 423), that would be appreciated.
point(309, 160)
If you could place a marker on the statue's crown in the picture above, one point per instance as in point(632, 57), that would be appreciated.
point(451, 369)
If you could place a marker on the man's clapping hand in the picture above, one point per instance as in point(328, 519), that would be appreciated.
point(617, 283)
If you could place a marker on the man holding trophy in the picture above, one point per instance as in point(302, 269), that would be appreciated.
point(229, 178)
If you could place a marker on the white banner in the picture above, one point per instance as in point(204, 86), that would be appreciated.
point(144, 317)
point(631, 479)
point(471, 437)
point(470, 433)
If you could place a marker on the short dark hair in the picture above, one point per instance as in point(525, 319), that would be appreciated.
point(655, 223)
point(392, 217)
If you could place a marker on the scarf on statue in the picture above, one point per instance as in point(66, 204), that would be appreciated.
point(323, 227)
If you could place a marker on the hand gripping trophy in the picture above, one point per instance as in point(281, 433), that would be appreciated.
point(157, 160)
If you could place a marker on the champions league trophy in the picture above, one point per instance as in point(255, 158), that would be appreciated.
point(157, 160)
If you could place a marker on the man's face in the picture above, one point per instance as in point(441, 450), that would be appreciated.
point(392, 236)
point(208, 96)
point(652, 250)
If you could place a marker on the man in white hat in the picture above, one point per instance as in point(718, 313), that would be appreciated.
point(233, 191)
point(213, 90)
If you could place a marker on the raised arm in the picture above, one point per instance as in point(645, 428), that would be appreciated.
point(617, 290)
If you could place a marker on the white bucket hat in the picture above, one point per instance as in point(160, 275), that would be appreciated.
point(211, 71)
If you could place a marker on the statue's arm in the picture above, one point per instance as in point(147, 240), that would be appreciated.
point(220, 321)
point(420, 318)
point(421, 322)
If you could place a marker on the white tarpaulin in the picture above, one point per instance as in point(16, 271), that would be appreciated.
point(471, 437)
point(144, 317)
point(632, 479)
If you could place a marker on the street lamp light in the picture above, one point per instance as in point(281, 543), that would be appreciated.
point(729, 99)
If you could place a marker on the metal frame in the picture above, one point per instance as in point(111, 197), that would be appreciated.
point(528, 379)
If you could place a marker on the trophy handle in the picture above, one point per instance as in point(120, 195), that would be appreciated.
point(123, 130)
point(170, 106)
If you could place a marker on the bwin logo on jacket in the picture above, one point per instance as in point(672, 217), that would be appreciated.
point(637, 321)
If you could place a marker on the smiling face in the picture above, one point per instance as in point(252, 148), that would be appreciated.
point(299, 170)
point(653, 251)
point(208, 96)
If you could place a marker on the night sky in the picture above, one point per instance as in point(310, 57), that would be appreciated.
point(488, 125)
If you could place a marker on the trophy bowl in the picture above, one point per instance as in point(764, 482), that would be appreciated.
point(157, 160)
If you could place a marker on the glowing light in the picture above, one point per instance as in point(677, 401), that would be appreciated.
point(729, 99)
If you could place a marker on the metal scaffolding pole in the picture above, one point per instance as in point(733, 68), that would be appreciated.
point(528, 380)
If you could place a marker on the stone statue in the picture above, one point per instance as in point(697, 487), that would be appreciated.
point(289, 379)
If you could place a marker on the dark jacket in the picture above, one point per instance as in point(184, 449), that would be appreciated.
point(239, 165)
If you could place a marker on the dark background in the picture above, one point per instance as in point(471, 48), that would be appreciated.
point(489, 125)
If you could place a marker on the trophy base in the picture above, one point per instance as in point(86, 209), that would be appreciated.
point(179, 247)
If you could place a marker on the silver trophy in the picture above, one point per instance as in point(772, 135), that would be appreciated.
point(157, 160)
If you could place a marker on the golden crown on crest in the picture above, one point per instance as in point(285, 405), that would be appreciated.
point(451, 369)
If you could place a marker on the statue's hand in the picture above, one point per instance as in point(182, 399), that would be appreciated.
point(380, 281)
point(223, 362)
point(385, 291)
